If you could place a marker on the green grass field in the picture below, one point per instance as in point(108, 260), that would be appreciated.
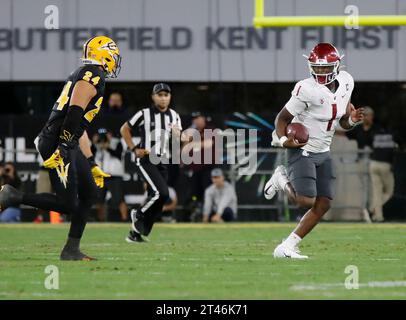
point(193, 261)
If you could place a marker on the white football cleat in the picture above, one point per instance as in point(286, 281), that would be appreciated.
point(276, 183)
point(283, 251)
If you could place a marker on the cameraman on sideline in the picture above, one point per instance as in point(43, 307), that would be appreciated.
point(9, 175)
point(108, 151)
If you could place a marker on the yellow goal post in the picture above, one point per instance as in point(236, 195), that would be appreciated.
point(260, 20)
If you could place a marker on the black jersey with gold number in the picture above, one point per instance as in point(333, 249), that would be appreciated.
point(95, 76)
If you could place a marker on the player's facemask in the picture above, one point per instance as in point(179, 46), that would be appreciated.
point(116, 70)
point(324, 73)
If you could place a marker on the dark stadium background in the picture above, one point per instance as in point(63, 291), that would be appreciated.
point(25, 108)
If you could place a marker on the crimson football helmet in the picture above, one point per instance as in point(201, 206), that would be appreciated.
point(324, 61)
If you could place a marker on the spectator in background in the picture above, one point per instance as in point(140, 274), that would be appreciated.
point(220, 199)
point(168, 210)
point(199, 173)
point(363, 133)
point(349, 189)
point(108, 151)
point(115, 104)
point(9, 175)
point(377, 138)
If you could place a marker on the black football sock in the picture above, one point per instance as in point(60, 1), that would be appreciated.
point(79, 219)
point(72, 244)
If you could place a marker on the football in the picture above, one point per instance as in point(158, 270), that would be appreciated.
point(299, 131)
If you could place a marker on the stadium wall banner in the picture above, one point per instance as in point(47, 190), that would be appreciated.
point(218, 44)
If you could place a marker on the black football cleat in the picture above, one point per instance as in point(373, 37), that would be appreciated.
point(134, 237)
point(74, 255)
point(10, 197)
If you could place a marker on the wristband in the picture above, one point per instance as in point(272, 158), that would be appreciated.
point(282, 140)
point(352, 123)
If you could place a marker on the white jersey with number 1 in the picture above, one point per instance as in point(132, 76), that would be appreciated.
point(319, 109)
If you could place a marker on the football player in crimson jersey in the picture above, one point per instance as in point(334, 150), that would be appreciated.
point(64, 145)
point(321, 103)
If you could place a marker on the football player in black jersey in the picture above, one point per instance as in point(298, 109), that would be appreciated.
point(64, 145)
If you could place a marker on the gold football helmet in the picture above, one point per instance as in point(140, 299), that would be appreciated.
point(104, 52)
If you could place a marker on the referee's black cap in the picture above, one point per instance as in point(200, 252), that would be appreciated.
point(161, 87)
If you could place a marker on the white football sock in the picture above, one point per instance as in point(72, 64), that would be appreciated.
point(293, 240)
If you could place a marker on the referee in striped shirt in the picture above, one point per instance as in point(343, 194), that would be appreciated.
point(155, 125)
